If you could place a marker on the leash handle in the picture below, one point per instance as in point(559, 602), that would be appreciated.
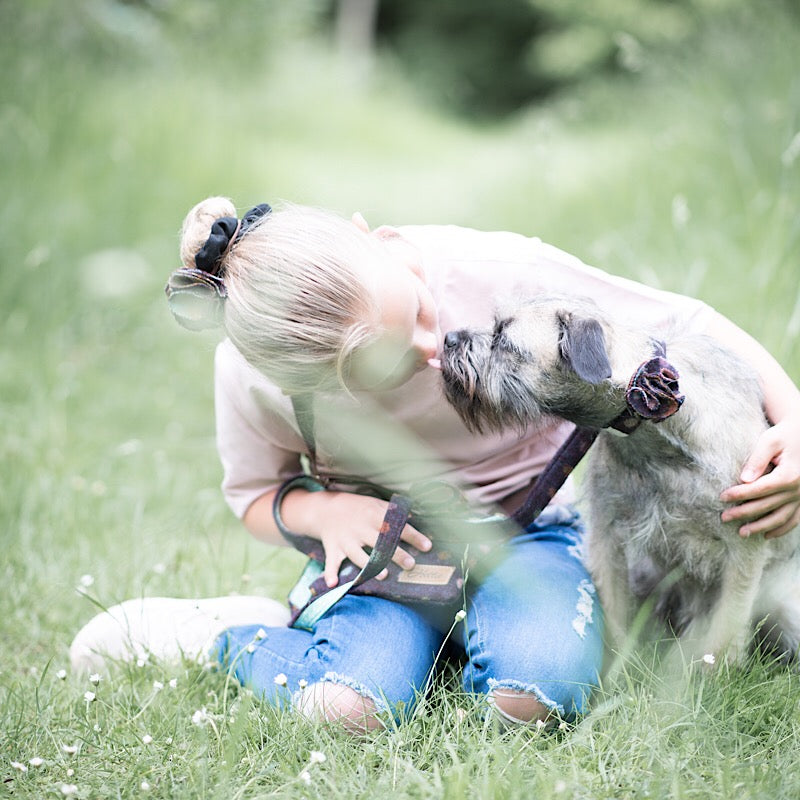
point(394, 520)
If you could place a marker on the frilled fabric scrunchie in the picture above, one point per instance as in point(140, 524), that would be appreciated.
point(196, 295)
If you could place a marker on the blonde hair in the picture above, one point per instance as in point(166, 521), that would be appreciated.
point(296, 305)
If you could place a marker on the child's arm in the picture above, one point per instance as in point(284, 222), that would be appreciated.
point(766, 501)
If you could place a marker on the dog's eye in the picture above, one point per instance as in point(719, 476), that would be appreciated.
point(500, 340)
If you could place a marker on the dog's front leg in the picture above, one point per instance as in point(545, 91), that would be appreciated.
point(726, 631)
point(608, 567)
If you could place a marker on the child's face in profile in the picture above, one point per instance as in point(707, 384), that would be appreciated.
point(407, 323)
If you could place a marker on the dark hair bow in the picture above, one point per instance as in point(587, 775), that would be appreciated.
point(196, 296)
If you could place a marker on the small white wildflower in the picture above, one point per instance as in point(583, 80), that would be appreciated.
point(168, 740)
point(261, 634)
point(460, 614)
point(70, 772)
point(159, 568)
point(305, 776)
point(302, 683)
point(19, 765)
point(460, 714)
point(89, 697)
point(86, 581)
point(69, 749)
point(158, 686)
point(97, 728)
point(147, 739)
point(251, 648)
point(200, 717)
point(173, 684)
point(36, 761)
point(144, 786)
point(142, 660)
point(94, 679)
point(129, 448)
point(709, 658)
point(281, 679)
point(61, 674)
point(680, 211)
point(540, 723)
point(33, 671)
point(559, 787)
point(317, 757)
point(68, 789)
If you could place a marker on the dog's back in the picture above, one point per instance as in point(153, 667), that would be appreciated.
point(654, 495)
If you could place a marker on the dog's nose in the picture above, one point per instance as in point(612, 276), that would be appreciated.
point(451, 339)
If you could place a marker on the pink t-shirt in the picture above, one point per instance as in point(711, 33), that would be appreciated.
point(411, 433)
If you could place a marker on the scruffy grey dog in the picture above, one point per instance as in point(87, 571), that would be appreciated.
point(653, 494)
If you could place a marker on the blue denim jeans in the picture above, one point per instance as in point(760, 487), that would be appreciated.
point(534, 624)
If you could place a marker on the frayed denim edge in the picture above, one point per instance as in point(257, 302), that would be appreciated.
point(334, 677)
point(530, 688)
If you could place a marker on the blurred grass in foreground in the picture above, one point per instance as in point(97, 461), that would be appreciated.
point(685, 177)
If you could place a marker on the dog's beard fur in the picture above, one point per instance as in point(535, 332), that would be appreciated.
point(484, 385)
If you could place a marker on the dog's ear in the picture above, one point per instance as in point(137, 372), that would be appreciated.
point(582, 346)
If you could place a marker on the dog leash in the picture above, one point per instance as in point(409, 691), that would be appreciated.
point(652, 394)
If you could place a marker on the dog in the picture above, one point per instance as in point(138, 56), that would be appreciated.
point(655, 531)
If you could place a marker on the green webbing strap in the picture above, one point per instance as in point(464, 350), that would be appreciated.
point(317, 609)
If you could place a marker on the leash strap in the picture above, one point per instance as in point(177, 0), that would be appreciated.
point(303, 406)
point(394, 521)
point(553, 476)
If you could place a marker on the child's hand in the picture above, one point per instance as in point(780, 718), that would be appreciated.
point(347, 523)
point(768, 500)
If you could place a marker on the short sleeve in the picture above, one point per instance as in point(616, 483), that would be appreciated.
point(256, 441)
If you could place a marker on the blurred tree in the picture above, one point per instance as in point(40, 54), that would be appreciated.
point(469, 53)
point(492, 58)
point(355, 25)
point(582, 38)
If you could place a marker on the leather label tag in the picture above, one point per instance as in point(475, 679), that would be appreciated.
point(430, 574)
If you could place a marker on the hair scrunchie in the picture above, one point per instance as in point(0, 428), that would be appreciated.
point(196, 295)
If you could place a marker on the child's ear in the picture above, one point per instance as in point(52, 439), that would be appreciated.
point(358, 220)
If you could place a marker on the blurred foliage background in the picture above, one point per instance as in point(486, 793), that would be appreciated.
point(653, 139)
point(657, 139)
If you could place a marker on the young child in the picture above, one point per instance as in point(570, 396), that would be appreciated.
point(316, 304)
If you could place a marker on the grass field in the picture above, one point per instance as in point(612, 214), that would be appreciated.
point(685, 176)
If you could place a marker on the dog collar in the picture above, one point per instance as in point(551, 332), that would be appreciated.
point(652, 393)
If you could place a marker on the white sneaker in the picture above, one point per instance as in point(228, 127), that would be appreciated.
point(167, 628)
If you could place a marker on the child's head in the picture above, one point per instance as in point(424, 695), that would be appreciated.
point(297, 304)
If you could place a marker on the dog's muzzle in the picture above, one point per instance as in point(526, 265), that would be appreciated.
point(477, 382)
point(461, 375)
